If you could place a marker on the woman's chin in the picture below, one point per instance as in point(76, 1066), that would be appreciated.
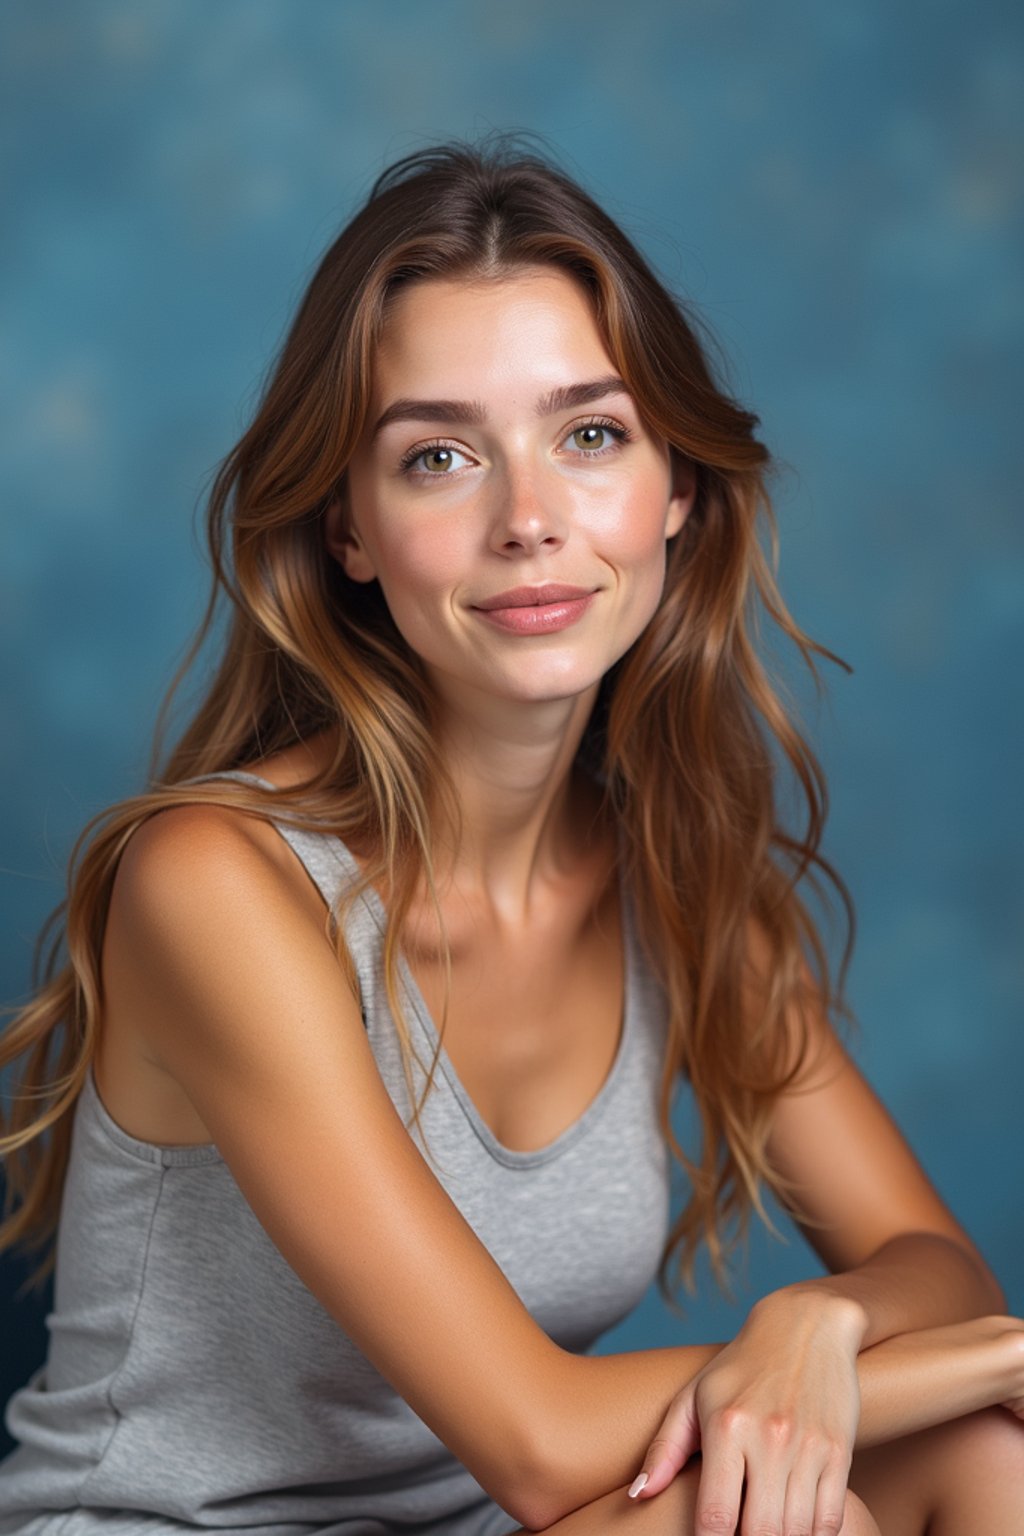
point(525, 682)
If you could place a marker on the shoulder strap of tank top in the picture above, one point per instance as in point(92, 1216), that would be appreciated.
point(324, 856)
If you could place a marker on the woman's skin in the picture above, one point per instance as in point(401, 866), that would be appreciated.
point(214, 936)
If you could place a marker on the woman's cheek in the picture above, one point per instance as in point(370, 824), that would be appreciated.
point(417, 571)
point(648, 567)
point(414, 559)
point(637, 534)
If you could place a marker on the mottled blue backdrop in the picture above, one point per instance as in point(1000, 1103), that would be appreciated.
point(836, 187)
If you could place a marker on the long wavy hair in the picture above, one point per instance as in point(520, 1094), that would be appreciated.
point(686, 739)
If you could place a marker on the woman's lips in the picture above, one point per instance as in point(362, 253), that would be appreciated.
point(533, 618)
point(530, 597)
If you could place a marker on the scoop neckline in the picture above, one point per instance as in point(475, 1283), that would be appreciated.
point(512, 1157)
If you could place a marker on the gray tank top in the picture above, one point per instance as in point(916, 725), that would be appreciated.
point(192, 1381)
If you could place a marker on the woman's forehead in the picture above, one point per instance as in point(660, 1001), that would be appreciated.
point(454, 287)
point(440, 332)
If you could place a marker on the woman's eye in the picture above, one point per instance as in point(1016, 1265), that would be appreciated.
point(437, 456)
point(588, 435)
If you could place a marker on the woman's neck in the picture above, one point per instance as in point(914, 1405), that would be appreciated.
point(527, 813)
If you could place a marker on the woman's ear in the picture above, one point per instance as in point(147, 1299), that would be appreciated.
point(684, 492)
point(343, 542)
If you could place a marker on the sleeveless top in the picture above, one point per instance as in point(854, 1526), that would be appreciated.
point(193, 1382)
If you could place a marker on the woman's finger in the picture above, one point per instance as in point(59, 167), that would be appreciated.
point(721, 1487)
point(677, 1438)
point(801, 1495)
point(764, 1499)
point(831, 1497)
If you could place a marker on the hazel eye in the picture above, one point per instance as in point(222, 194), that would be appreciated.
point(442, 460)
point(591, 429)
point(590, 432)
point(436, 451)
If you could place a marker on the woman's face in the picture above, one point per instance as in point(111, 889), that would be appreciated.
point(501, 463)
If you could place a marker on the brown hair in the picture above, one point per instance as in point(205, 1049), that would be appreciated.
point(682, 736)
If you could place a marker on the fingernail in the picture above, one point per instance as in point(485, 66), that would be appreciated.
point(636, 1485)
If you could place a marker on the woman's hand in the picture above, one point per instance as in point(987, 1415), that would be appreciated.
point(774, 1416)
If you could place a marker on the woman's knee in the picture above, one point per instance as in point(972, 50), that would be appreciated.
point(857, 1518)
point(987, 1443)
point(991, 1438)
point(911, 1481)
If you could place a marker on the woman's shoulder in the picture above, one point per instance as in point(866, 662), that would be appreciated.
point(214, 851)
point(198, 841)
point(193, 881)
point(206, 836)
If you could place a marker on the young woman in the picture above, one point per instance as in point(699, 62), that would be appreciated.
point(354, 1096)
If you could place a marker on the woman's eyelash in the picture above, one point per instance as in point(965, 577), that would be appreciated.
point(621, 433)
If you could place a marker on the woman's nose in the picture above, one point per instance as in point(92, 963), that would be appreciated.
point(525, 519)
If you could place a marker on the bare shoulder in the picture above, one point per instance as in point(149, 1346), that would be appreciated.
point(194, 882)
point(208, 899)
point(182, 859)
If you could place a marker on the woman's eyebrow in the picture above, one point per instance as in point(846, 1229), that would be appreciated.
point(473, 413)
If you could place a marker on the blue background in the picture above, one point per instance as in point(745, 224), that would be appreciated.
point(836, 187)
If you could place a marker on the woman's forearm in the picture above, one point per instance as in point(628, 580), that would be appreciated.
point(600, 1414)
point(916, 1380)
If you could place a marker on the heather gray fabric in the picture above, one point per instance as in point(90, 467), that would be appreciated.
point(193, 1382)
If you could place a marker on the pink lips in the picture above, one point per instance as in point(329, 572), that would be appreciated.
point(532, 597)
point(536, 610)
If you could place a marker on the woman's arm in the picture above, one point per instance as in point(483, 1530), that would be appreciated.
point(224, 962)
point(916, 1380)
